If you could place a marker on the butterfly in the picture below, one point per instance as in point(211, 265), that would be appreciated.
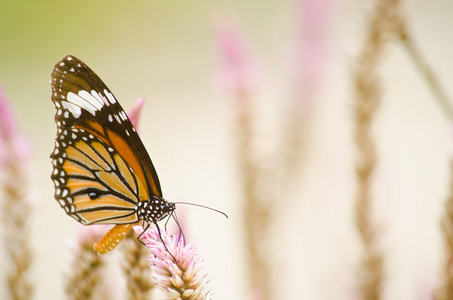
point(102, 172)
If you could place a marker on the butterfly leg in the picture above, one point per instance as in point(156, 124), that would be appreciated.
point(160, 236)
point(140, 235)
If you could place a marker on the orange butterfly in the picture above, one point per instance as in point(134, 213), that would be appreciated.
point(101, 170)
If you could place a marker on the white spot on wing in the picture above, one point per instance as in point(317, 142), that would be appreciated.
point(91, 102)
point(110, 97)
point(75, 110)
point(80, 102)
point(92, 98)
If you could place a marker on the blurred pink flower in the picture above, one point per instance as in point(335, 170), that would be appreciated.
point(14, 146)
point(84, 281)
point(178, 280)
point(86, 236)
point(134, 113)
point(238, 71)
point(16, 207)
point(311, 40)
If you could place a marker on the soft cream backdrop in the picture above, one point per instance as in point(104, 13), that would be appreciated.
point(165, 51)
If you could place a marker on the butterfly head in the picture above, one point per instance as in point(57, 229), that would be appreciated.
point(154, 209)
point(168, 209)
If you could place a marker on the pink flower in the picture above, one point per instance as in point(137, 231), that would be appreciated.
point(180, 279)
point(14, 147)
point(311, 44)
point(86, 236)
point(15, 154)
point(238, 70)
point(134, 114)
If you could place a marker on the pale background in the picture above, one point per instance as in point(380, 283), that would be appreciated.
point(165, 51)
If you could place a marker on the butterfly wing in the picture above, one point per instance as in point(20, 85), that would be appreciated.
point(101, 168)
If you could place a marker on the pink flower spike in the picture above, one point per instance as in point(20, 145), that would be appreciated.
point(8, 124)
point(238, 71)
point(312, 40)
point(14, 147)
point(16, 205)
point(134, 114)
point(83, 282)
point(86, 236)
point(178, 280)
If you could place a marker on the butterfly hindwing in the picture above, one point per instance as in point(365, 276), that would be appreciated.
point(92, 181)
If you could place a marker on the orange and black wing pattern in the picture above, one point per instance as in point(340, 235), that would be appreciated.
point(101, 170)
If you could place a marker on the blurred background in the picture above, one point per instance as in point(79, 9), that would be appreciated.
point(169, 53)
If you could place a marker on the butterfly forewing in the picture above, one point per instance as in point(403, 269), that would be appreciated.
point(83, 101)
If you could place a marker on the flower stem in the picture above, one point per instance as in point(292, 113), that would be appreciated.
point(383, 21)
point(445, 290)
point(425, 70)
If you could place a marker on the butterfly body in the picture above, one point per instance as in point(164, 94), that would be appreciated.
point(102, 172)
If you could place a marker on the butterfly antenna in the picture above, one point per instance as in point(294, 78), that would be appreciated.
point(207, 207)
point(162, 240)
